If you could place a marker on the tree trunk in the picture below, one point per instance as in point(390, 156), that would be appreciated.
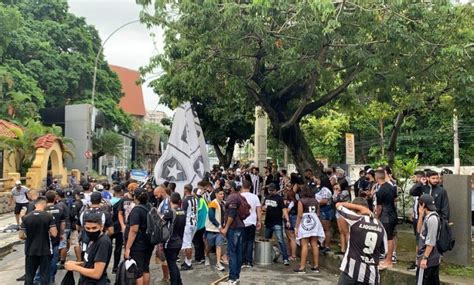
point(294, 139)
point(392, 144)
point(225, 159)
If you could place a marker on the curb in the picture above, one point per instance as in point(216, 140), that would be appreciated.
point(6, 249)
point(331, 262)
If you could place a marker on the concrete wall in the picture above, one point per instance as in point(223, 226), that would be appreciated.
point(77, 127)
point(459, 193)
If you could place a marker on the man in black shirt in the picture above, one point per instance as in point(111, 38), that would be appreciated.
point(275, 209)
point(59, 220)
point(75, 225)
point(62, 202)
point(386, 213)
point(176, 217)
point(36, 229)
point(118, 234)
point(99, 251)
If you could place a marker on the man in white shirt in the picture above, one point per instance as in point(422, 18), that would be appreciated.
point(21, 200)
point(252, 223)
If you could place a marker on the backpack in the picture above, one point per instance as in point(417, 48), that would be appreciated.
point(445, 241)
point(124, 276)
point(244, 208)
point(157, 229)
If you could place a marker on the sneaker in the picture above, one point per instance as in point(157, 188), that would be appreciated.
point(412, 267)
point(315, 269)
point(21, 278)
point(297, 270)
point(286, 262)
point(207, 262)
point(201, 261)
point(233, 282)
point(394, 258)
point(324, 250)
point(219, 267)
point(60, 266)
point(186, 267)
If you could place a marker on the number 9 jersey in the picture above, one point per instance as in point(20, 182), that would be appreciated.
point(367, 241)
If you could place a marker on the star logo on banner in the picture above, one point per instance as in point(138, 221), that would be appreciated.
point(173, 172)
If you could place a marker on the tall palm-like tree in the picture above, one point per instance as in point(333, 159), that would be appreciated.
point(107, 143)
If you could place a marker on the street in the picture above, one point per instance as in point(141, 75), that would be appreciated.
point(12, 266)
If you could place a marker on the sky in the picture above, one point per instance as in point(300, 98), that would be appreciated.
point(132, 46)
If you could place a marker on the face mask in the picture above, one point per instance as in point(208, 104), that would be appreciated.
point(93, 236)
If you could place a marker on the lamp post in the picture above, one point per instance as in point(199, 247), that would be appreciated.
point(94, 80)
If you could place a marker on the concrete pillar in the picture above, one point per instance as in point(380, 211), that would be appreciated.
point(260, 139)
point(459, 193)
point(78, 128)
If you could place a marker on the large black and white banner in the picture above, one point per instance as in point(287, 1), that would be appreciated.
point(185, 160)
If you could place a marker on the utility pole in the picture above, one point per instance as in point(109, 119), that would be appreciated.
point(457, 161)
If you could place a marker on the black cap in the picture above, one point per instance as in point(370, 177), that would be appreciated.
point(96, 197)
point(272, 187)
point(139, 191)
point(428, 200)
point(93, 216)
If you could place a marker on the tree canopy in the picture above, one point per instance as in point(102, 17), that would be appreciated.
point(47, 60)
point(293, 58)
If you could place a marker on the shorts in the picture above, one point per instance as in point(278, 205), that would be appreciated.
point(327, 215)
point(292, 222)
point(215, 239)
point(188, 236)
point(19, 206)
point(142, 258)
point(389, 229)
point(66, 234)
point(74, 238)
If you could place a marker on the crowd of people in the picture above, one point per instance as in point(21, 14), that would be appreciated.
point(100, 223)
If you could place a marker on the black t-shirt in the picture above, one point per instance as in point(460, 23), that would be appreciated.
point(99, 251)
point(126, 206)
point(115, 220)
point(152, 199)
point(75, 212)
point(63, 204)
point(36, 226)
point(59, 218)
point(274, 210)
point(386, 198)
point(176, 239)
point(138, 216)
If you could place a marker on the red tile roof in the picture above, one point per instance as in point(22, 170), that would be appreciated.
point(132, 102)
point(6, 129)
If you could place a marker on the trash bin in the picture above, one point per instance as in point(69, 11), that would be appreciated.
point(263, 253)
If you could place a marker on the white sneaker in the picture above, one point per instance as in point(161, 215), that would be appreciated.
point(207, 262)
point(220, 267)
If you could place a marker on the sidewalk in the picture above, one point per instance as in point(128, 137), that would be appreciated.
point(7, 239)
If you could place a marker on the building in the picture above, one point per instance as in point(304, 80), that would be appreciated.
point(132, 102)
point(155, 117)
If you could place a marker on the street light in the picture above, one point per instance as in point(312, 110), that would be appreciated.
point(94, 78)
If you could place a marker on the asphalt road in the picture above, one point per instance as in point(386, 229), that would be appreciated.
point(12, 266)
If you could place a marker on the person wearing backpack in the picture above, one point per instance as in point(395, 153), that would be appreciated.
point(138, 246)
point(234, 229)
point(118, 234)
point(428, 256)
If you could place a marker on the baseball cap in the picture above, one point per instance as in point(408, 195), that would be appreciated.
point(139, 191)
point(428, 200)
point(93, 216)
point(99, 187)
point(18, 182)
point(96, 197)
point(272, 187)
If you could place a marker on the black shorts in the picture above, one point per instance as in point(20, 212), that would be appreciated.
point(142, 258)
point(389, 229)
point(19, 206)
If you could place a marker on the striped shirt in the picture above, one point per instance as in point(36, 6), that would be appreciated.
point(367, 241)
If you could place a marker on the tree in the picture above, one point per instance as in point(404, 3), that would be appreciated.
point(23, 146)
point(146, 134)
point(107, 142)
point(56, 51)
point(290, 57)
